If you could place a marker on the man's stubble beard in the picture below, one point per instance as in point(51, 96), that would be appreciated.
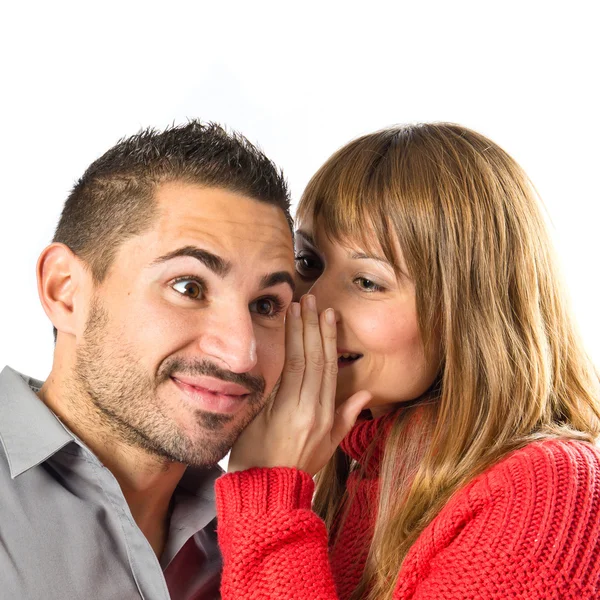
point(125, 401)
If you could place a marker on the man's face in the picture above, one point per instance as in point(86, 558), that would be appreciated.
point(184, 339)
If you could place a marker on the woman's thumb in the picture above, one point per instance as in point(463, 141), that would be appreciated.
point(347, 413)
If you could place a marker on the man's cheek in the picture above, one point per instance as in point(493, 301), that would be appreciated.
point(271, 357)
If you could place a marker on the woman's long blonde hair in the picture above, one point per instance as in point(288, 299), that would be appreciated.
point(513, 369)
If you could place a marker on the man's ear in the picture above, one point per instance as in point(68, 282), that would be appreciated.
point(60, 280)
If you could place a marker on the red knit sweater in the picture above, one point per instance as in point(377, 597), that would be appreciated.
point(529, 527)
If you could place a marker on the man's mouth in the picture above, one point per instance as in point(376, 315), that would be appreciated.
point(346, 358)
point(213, 384)
point(212, 394)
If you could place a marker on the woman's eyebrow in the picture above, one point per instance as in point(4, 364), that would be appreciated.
point(362, 255)
point(308, 237)
point(398, 269)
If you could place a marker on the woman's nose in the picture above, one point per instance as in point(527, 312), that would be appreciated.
point(302, 287)
point(322, 290)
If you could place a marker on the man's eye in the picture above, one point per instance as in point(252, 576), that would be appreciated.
point(190, 288)
point(267, 307)
point(308, 265)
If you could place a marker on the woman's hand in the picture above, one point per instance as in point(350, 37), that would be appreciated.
point(300, 425)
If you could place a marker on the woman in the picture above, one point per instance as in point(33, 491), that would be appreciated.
point(472, 472)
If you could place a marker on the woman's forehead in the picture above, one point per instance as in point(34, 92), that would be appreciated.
point(315, 232)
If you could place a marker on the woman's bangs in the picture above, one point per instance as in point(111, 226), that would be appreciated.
point(351, 211)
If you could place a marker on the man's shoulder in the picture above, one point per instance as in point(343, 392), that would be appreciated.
point(29, 431)
point(9, 377)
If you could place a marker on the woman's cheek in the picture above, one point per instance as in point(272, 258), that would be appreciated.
point(389, 331)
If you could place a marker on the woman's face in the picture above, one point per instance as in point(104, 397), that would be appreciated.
point(379, 343)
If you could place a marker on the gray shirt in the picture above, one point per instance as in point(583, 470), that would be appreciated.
point(66, 531)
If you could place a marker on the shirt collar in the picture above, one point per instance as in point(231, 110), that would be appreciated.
point(29, 431)
point(194, 509)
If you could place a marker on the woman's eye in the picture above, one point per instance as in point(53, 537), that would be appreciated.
point(308, 265)
point(266, 307)
point(190, 288)
point(367, 285)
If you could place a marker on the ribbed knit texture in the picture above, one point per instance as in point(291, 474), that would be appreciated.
point(529, 527)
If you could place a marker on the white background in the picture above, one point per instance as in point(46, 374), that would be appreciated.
point(300, 79)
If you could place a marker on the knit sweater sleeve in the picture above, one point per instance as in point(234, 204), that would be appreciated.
point(273, 544)
point(527, 528)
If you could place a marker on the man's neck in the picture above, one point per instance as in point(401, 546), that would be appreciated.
point(147, 481)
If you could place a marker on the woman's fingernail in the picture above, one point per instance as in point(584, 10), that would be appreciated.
point(311, 302)
point(330, 316)
point(295, 309)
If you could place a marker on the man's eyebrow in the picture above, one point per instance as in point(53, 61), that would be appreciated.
point(278, 277)
point(215, 263)
point(221, 267)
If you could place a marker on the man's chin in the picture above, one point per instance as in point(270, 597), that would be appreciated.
point(211, 439)
point(190, 435)
point(203, 451)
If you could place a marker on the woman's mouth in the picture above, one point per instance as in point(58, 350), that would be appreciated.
point(345, 359)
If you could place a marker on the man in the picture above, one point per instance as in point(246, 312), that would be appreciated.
point(167, 284)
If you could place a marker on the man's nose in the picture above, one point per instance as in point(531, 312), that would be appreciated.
point(228, 339)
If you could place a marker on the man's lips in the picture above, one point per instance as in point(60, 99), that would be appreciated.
point(212, 384)
point(212, 394)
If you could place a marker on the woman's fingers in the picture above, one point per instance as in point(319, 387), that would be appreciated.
point(313, 354)
point(294, 365)
point(301, 427)
point(330, 366)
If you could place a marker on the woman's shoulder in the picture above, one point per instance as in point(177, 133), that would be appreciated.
point(541, 499)
point(554, 465)
point(539, 504)
point(556, 476)
point(532, 520)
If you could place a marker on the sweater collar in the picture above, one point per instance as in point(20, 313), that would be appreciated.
point(365, 442)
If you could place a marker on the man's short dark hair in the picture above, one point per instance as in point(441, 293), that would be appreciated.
point(115, 198)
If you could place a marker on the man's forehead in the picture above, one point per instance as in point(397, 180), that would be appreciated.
point(218, 215)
